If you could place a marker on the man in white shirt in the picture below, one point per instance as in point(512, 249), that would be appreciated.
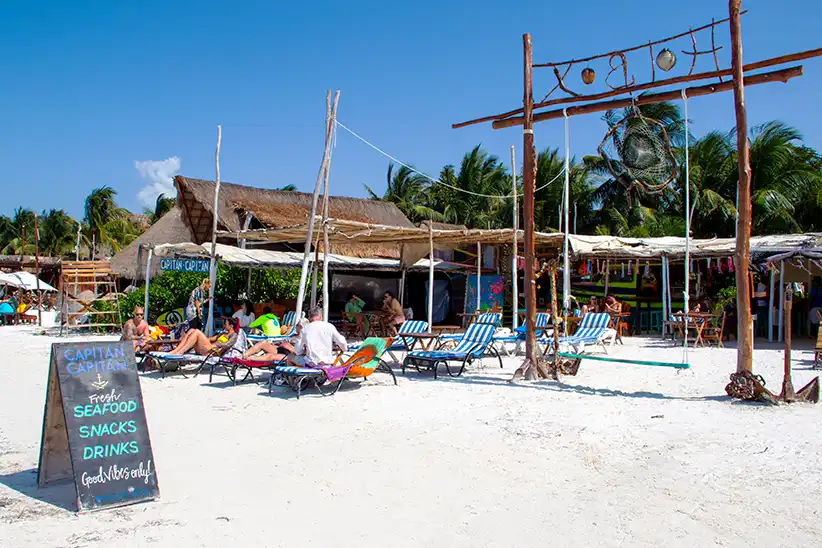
point(316, 343)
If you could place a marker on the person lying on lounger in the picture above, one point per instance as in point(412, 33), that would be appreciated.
point(265, 351)
point(202, 345)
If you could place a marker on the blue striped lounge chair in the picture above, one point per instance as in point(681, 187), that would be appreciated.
point(544, 332)
point(399, 343)
point(491, 318)
point(593, 329)
point(474, 344)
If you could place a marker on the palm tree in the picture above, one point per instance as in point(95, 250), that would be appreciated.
point(57, 233)
point(288, 188)
point(550, 184)
point(786, 182)
point(107, 224)
point(477, 196)
point(162, 206)
point(18, 232)
point(408, 191)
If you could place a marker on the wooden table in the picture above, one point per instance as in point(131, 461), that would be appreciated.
point(468, 317)
point(445, 328)
point(419, 338)
point(696, 322)
point(371, 321)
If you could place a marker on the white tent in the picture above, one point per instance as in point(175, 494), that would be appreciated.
point(24, 280)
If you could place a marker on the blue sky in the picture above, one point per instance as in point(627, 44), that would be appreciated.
point(91, 88)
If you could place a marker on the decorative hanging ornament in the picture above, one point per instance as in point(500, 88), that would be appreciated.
point(588, 75)
point(666, 60)
point(647, 272)
point(623, 269)
point(709, 264)
point(730, 265)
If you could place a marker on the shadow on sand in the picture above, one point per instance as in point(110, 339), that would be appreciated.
point(60, 494)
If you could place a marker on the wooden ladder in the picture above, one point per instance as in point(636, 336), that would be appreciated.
point(79, 276)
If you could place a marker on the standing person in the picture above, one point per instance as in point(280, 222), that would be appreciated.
point(393, 316)
point(136, 328)
point(194, 310)
point(761, 300)
point(353, 311)
point(245, 314)
point(316, 343)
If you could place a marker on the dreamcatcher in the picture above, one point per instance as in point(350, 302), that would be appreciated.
point(637, 152)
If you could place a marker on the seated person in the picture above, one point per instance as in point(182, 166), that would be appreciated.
point(245, 314)
point(592, 306)
point(136, 329)
point(267, 323)
point(393, 315)
point(265, 351)
point(316, 342)
point(353, 308)
point(612, 306)
point(202, 345)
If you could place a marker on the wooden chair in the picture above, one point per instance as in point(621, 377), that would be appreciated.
point(713, 333)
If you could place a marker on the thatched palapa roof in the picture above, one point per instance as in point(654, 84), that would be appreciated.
point(276, 209)
point(130, 262)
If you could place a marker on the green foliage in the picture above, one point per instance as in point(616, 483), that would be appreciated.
point(171, 290)
point(725, 296)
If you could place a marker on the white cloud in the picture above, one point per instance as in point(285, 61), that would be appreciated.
point(159, 178)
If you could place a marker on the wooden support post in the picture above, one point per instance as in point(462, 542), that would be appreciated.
point(430, 275)
point(780, 331)
point(37, 271)
point(788, 393)
point(148, 282)
point(330, 111)
point(744, 355)
point(770, 304)
point(514, 274)
point(528, 180)
point(212, 265)
point(479, 276)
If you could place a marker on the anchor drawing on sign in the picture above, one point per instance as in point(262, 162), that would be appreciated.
point(99, 384)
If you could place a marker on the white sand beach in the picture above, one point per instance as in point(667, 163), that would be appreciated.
point(620, 455)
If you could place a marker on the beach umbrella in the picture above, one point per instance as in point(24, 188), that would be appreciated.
point(24, 280)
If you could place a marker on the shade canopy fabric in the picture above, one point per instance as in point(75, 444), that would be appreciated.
point(266, 258)
point(615, 247)
point(24, 280)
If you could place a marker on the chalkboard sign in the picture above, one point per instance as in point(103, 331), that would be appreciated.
point(94, 426)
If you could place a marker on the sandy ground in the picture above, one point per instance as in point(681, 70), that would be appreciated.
point(620, 455)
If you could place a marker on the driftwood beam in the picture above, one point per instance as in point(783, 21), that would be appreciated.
point(776, 76)
point(781, 60)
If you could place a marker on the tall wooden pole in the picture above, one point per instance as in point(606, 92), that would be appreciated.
point(330, 113)
point(37, 272)
point(528, 179)
point(744, 353)
point(788, 392)
point(212, 264)
point(514, 273)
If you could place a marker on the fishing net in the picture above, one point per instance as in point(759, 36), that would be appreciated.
point(637, 152)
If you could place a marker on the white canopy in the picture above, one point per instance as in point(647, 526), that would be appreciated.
point(24, 280)
point(266, 258)
point(674, 247)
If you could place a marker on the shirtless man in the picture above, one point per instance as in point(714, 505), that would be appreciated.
point(136, 329)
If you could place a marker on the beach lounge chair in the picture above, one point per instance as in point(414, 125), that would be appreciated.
point(288, 330)
point(494, 318)
point(366, 360)
point(168, 362)
point(593, 329)
point(475, 342)
point(233, 365)
point(517, 337)
point(399, 343)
